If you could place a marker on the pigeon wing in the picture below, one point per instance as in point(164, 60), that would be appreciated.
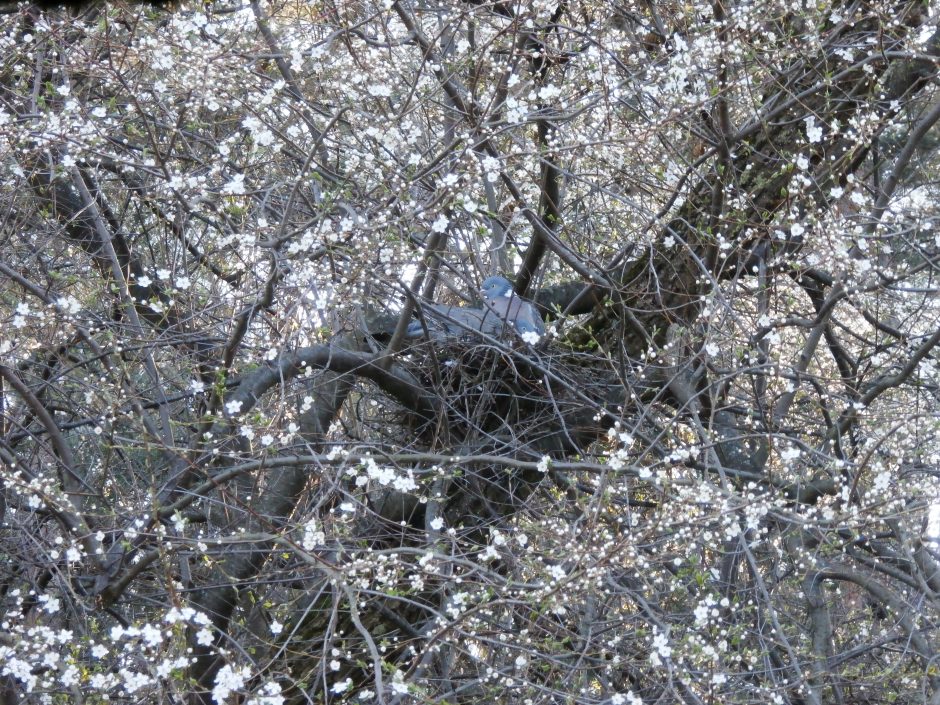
point(454, 321)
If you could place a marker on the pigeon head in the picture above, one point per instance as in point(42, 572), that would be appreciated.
point(495, 287)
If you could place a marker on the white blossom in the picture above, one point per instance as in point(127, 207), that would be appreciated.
point(236, 186)
point(227, 681)
point(440, 225)
point(814, 132)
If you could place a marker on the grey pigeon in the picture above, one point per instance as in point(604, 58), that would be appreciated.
point(501, 306)
point(499, 297)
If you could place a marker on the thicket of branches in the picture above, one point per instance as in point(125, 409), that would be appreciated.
point(228, 475)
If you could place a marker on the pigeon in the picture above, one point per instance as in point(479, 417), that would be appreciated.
point(501, 306)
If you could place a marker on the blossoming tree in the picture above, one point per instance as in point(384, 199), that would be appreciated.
point(228, 475)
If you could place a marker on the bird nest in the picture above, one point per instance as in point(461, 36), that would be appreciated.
point(514, 392)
